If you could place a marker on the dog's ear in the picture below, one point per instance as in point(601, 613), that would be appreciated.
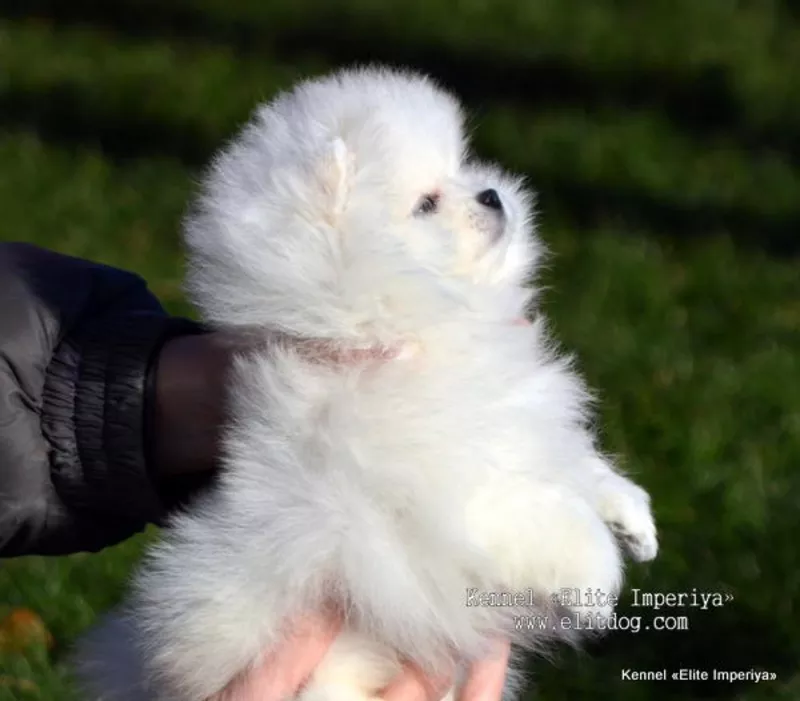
point(335, 176)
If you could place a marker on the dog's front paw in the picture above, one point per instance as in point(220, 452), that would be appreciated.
point(625, 507)
point(567, 548)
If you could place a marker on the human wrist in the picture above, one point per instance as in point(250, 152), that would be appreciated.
point(187, 406)
point(187, 399)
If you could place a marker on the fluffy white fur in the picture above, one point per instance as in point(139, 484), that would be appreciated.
point(392, 488)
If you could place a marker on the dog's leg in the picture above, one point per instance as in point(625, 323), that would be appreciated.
point(550, 539)
point(625, 507)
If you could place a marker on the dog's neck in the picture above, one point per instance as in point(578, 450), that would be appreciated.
point(327, 351)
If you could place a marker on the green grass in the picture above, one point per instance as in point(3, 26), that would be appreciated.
point(746, 47)
point(692, 342)
point(158, 92)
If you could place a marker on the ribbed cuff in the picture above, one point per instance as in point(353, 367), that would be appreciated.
point(94, 415)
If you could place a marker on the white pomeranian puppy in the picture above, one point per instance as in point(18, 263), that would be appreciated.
point(437, 497)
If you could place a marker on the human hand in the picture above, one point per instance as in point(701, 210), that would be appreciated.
point(283, 672)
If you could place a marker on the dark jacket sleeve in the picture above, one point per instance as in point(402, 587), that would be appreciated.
point(76, 342)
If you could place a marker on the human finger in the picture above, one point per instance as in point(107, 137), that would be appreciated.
point(284, 671)
point(486, 677)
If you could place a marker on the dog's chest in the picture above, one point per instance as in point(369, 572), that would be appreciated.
point(427, 430)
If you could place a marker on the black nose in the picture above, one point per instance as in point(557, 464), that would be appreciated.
point(490, 199)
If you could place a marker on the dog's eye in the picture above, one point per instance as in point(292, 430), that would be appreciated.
point(428, 204)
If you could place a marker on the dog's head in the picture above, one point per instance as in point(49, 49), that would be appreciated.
point(351, 205)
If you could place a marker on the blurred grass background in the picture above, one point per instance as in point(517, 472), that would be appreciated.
point(664, 140)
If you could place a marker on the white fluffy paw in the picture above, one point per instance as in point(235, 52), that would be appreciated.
point(570, 548)
point(625, 507)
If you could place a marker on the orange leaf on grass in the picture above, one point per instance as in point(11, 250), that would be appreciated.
point(21, 629)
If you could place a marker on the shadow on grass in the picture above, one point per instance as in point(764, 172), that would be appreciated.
point(701, 101)
point(59, 115)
